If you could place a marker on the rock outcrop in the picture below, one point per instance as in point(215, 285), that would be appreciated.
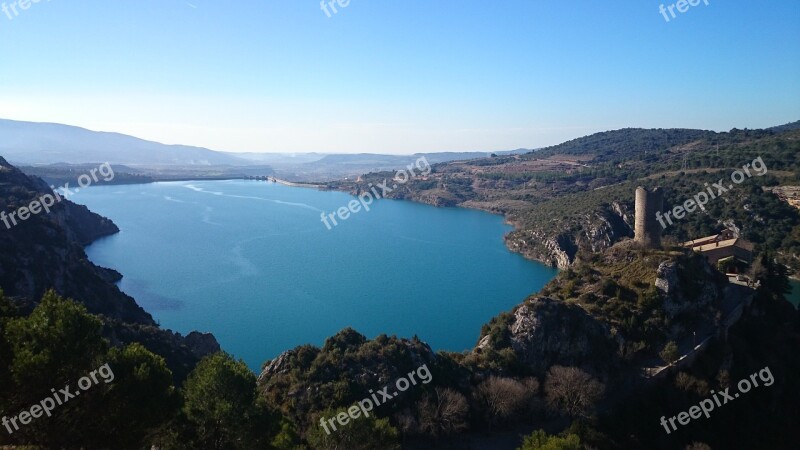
point(374, 370)
point(593, 233)
point(681, 293)
point(545, 332)
point(46, 251)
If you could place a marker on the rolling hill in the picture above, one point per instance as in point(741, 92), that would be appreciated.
point(48, 143)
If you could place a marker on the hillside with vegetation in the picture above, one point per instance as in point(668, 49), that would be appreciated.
point(577, 197)
point(592, 361)
point(43, 257)
point(570, 359)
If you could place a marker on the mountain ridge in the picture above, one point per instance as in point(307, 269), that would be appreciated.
point(47, 143)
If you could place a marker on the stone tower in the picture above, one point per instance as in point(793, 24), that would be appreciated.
point(646, 228)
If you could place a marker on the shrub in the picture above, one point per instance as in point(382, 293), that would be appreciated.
point(670, 353)
point(540, 440)
point(571, 391)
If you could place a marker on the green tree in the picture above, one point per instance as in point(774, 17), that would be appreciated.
point(287, 437)
point(57, 342)
point(222, 407)
point(7, 311)
point(670, 353)
point(363, 433)
point(51, 348)
point(772, 275)
point(540, 440)
point(139, 398)
point(54, 346)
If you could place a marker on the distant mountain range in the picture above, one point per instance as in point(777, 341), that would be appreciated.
point(47, 144)
point(336, 167)
point(50, 143)
point(31, 144)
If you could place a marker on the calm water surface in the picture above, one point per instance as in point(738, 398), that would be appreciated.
point(794, 296)
point(252, 262)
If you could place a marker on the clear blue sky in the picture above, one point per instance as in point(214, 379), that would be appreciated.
point(397, 76)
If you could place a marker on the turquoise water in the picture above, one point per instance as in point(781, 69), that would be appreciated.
point(252, 262)
point(794, 296)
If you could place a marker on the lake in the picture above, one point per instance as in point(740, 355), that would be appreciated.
point(794, 296)
point(252, 262)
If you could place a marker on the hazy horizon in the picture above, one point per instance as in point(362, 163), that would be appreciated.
point(292, 153)
point(283, 77)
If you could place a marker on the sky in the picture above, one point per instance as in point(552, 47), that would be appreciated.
point(397, 76)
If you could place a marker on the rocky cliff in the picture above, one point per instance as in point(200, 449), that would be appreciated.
point(592, 232)
point(544, 332)
point(45, 251)
point(345, 370)
point(617, 309)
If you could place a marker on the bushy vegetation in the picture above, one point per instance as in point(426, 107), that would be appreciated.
point(363, 434)
point(219, 404)
point(765, 417)
point(60, 342)
point(344, 370)
point(572, 201)
point(540, 440)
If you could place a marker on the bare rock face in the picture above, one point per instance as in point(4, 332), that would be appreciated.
point(669, 286)
point(605, 228)
point(622, 212)
point(667, 281)
point(484, 343)
point(45, 251)
point(730, 224)
point(280, 365)
point(594, 232)
point(558, 251)
point(547, 332)
point(201, 344)
point(684, 285)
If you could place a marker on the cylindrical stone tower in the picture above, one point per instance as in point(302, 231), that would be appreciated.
point(646, 227)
